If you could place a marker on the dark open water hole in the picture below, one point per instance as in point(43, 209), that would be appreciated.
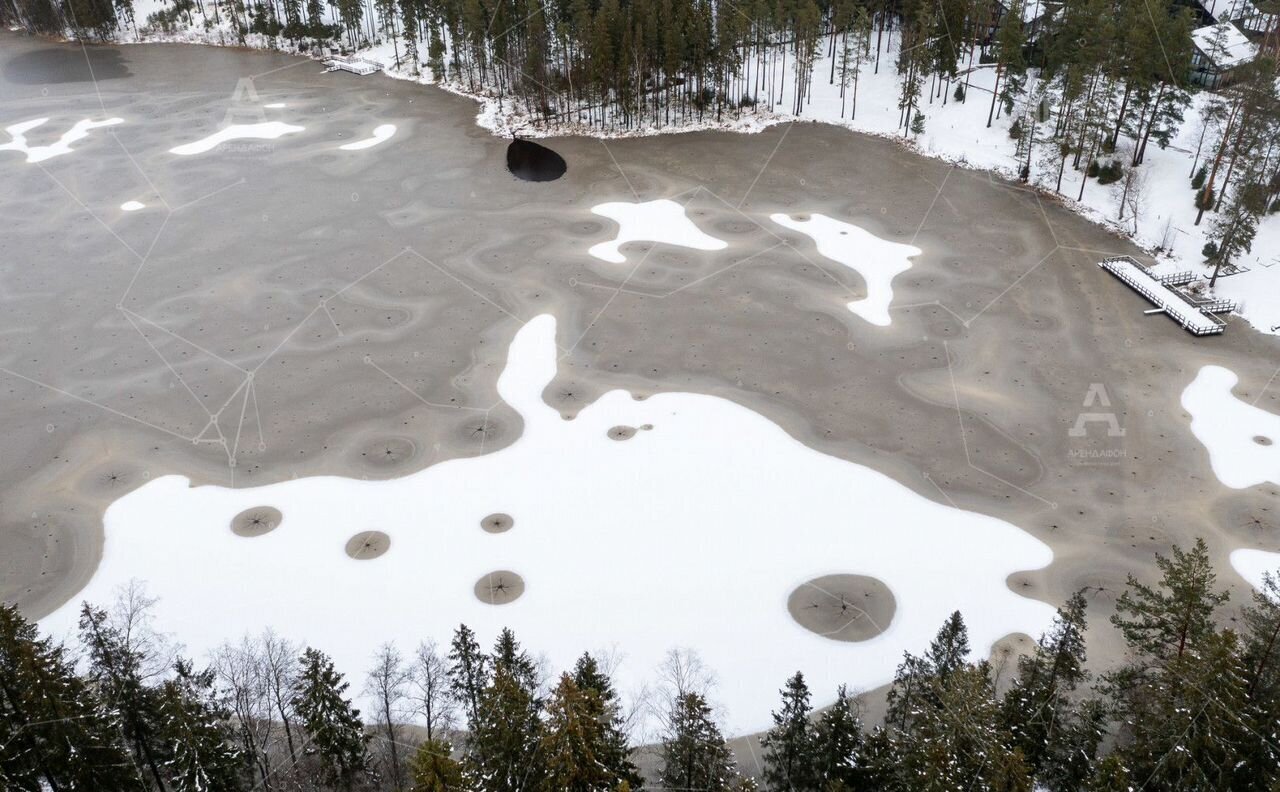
point(531, 162)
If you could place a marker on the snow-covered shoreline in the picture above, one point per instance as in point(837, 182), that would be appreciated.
point(1158, 215)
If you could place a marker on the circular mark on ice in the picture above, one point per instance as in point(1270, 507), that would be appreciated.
point(843, 607)
point(622, 433)
point(132, 206)
point(1262, 440)
point(389, 452)
point(499, 587)
point(497, 523)
point(256, 521)
point(531, 162)
point(368, 544)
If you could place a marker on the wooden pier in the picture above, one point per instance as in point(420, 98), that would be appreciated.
point(361, 66)
point(1198, 317)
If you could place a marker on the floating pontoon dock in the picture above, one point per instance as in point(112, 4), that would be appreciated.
point(1198, 318)
point(352, 64)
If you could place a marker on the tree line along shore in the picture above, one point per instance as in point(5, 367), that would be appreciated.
point(1193, 706)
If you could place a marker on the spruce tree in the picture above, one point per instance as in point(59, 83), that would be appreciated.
point(55, 734)
point(1260, 657)
point(790, 759)
point(573, 742)
point(433, 768)
point(694, 754)
point(1040, 703)
point(839, 763)
point(336, 735)
point(502, 751)
point(949, 650)
point(115, 670)
point(194, 725)
point(468, 672)
point(613, 751)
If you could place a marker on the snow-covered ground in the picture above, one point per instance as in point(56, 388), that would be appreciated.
point(1252, 565)
point(1243, 440)
point(662, 221)
point(268, 130)
point(877, 260)
point(678, 532)
point(381, 133)
point(79, 131)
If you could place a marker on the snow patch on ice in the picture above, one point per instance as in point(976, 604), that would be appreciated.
point(693, 533)
point(1252, 564)
point(274, 105)
point(380, 133)
point(267, 130)
point(62, 146)
point(132, 206)
point(876, 260)
point(1243, 440)
point(662, 220)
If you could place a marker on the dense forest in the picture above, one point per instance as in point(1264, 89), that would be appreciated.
point(1193, 706)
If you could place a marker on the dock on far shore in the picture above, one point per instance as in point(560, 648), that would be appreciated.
point(1198, 317)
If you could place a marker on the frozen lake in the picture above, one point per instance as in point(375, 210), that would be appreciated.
point(326, 276)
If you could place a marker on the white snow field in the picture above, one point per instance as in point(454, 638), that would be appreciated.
point(80, 131)
point(876, 260)
point(1252, 564)
point(1243, 440)
point(662, 221)
point(381, 133)
point(132, 206)
point(691, 533)
point(267, 130)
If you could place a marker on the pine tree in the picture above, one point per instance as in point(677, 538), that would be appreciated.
point(789, 747)
point(839, 763)
point(694, 754)
point(1183, 683)
point(55, 733)
point(336, 735)
point(1160, 623)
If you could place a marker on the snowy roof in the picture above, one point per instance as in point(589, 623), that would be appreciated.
point(1234, 47)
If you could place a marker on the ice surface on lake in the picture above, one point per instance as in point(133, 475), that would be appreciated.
point(380, 133)
point(62, 146)
point(876, 260)
point(267, 130)
point(662, 220)
point(132, 206)
point(1251, 564)
point(1243, 441)
point(691, 533)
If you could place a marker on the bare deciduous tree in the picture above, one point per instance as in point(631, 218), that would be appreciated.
point(430, 693)
point(387, 685)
